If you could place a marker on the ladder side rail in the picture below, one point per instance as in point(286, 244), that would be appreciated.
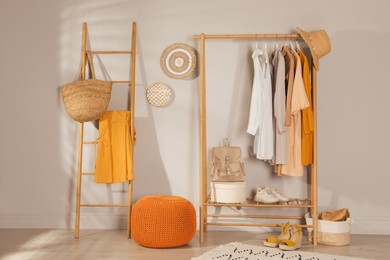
point(132, 114)
point(81, 135)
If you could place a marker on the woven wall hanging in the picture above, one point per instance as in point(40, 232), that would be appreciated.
point(159, 94)
point(178, 60)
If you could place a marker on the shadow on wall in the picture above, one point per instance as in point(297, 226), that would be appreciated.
point(150, 176)
point(353, 146)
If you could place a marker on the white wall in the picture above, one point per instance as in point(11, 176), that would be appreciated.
point(40, 50)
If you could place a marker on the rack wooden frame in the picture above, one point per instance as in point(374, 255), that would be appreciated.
point(204, 201)
point(131, 84)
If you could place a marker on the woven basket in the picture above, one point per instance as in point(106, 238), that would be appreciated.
point(332, 239)
point(86, 100)
point(332, 233)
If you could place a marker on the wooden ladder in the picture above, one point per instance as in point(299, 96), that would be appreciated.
point(80, 172)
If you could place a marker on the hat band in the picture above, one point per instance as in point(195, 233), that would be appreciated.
point(314, 48)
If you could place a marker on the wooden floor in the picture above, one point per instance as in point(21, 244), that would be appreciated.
point(57, 244)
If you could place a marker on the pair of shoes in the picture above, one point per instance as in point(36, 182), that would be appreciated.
point(289, 239)
point(269, 195)
point(278, 195)
point(272, 241)
point(295, 240)
point(264, 195)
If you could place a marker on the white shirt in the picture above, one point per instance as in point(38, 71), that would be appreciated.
point(260, 122)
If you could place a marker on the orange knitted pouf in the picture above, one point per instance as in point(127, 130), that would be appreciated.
point(163, 221)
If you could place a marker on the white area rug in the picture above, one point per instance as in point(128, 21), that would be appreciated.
point(239, 251)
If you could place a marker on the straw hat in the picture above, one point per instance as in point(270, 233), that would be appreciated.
point(318, 42)
point(178, 60)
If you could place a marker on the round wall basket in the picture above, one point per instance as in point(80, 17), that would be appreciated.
point(159, 94)
point(178, 60)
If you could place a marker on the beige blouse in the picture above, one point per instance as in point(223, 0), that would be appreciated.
point(298, 101)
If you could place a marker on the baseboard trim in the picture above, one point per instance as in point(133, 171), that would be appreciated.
point(87, 221)
point(371, 225)
point(361, 225)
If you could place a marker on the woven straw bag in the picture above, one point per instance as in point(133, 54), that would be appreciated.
point(337, 215)
point(86, 100)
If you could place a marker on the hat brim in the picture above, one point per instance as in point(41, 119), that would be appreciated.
point(306, 38)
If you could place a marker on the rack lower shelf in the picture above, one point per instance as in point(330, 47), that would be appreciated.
point(250, 203)
point(254, 204)
point(226, 224)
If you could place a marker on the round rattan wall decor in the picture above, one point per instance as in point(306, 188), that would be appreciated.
point(178, 60)
point(159, 95)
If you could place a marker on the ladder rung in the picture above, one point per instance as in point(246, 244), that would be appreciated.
point(103, 205)
point(109, 52)
point(88, 173)
point(91, 142)
point(121, 81)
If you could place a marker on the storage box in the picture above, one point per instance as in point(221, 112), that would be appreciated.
point(228, 192)
point(333, 233)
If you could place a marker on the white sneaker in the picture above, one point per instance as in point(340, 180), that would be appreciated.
point(264, 195)
point(278, 195)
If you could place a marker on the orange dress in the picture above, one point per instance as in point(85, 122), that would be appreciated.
point(114, 161)
point(307, 115)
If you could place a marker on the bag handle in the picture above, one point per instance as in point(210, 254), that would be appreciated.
point(225, 142)
point(91, 66)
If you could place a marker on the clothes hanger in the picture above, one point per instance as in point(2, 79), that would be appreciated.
point(265, 59)
point(276, 46)
point(291, 45)
point(284, 45)
point(257, 50)
point(298, 48)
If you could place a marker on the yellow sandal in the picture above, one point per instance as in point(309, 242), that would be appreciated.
point(272, 241)
point(295, 240)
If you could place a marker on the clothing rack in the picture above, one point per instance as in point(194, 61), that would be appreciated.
point(131, 84)
point(204, 201)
